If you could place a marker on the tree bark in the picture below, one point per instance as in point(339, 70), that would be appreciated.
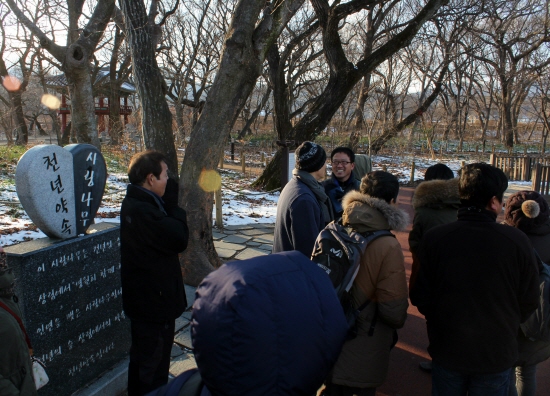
point(156, 118)
point(244, 52)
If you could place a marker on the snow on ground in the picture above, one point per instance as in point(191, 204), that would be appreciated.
point(241, 204)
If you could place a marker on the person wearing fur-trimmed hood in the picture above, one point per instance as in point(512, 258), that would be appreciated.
point(363, 363)
point(529, 212)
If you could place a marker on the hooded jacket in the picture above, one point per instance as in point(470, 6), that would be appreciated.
point(435, 202)
point(533, 352)
point(270, 325)
point(538, 231)
point(15, 363)
point(478, 280)
point(152, 234)
point(364, 360)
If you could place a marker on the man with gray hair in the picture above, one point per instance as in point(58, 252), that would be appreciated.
point(303, 209)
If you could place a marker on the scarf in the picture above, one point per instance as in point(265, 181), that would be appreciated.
point(318, 191)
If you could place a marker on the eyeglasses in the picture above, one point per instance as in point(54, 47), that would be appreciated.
point(344, 163)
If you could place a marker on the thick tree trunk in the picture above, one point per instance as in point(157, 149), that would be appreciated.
point(115, 124)
point(20, 123)
point(83, 118)
point(156, 118)
point(243, 55)
point(239, 69)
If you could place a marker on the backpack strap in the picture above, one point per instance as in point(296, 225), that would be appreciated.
point(18, 319)
point(371, 236)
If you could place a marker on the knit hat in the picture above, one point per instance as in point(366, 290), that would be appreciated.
point(310, 157)
point(526, 210)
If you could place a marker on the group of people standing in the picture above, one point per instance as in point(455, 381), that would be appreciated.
point(273, 325)
point(473, 279)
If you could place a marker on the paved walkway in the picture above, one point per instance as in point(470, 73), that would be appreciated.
point(404, 377)
point(232, 243)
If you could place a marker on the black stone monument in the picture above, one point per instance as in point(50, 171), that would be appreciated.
point(70, 296)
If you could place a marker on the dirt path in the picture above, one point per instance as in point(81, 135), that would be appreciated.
point(404, 377)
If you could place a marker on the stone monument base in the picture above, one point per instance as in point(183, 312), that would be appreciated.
point(71, 300)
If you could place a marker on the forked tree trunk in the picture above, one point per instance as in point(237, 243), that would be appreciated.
point(244, 52)
point(156, 118)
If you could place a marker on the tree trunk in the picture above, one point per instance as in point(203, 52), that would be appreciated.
point(156, 118)
point(225, 100)
point(78, 73)
point(115, 124)
point(244, 52)
point(20, 123)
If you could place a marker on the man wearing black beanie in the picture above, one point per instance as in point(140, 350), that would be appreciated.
point(303, 209)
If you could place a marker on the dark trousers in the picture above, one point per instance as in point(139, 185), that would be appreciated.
point(341, 390)
point(149, 356)
point(451, 383)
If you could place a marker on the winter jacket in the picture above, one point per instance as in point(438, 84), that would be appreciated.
point(270, 325)
point(435, 202)
point(533, 352)
point(478, 280)
point(364, 360)
point(336, 191)
point(15, 363)
point(299, 219)
point(152, 234)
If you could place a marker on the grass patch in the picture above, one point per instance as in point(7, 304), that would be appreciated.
point(10, 154)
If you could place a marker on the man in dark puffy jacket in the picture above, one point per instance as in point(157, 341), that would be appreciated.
point(477, 282)
point(269, 325)
point(153, 231)
point(342, 180)
point(303, 209)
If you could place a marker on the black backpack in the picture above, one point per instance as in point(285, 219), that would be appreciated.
point(537, 326)
point(338, 252)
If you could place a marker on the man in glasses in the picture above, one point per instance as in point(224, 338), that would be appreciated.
point(341, 181)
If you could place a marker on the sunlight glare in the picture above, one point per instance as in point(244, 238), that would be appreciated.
point(50, 101)
point(11, 83)
point(210, 180)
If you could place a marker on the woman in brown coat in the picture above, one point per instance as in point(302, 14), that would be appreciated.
point(363, 363)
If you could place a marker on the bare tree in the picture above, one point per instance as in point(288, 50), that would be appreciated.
point(74, 58)
point(25, 66)
point(245, 48)
point(509, 33)
point(343, 72)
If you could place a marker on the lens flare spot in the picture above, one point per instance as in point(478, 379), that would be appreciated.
point(210, 180)
point(11, 83)
point(50, 101)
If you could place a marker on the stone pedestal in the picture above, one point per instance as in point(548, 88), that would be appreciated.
point(70, 296)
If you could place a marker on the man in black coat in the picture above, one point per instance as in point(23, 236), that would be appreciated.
point(342, 180)
point(477, 282)
point(153, 230)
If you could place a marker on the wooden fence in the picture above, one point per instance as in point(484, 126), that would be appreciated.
point(518, 167)
point(541, 179)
